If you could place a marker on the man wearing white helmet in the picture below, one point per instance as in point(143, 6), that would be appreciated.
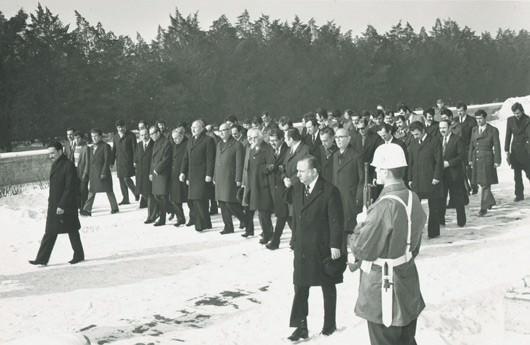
point(384, 246)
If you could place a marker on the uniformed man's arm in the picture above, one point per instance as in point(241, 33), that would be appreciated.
point(370, 242)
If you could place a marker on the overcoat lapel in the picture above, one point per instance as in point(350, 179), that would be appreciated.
point(317, 190)
point(347, 158)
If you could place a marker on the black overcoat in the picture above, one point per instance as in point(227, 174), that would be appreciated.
point(325, 159)
point(143, 168)
point(426, 164)
point(64, 193)
point(100, 161)
point(256, 177)
point(161, 163)
point(228, 170)
point(123, 152)
point(318, 227)
point(484, 152)
point(198, 163)
point(278, 187)
point(454, 175)
point(518, 131)
point(178, 191)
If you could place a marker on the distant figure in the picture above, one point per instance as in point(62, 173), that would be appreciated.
point(466, 124)
point(517, 153)
point(100, 178)
point(81, 161)
point(144, 154)
point(178, 191)
point(123, 151)
point(69, 144)
point(484, 158)
point(160, 172)
point(62, 217)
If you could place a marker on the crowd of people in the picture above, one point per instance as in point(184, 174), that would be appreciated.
point(320, 179)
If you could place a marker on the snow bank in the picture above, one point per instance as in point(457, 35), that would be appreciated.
point(506, 109)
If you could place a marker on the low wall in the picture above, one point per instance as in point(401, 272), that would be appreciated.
point(24, 167)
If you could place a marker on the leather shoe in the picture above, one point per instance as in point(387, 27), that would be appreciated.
point(114, 211)
point(272, 245)
point(242, 225)
point(328, 330)
point(85, 213)
point(179, 223)
point(149, 221)
point(482, 213)
point(159, 223)
point(518, 198)
point(264, 240)
point(190, 223)
point(171, 216)
point(300, 332)
point(226, 231)
point(35, 262)
point(247, 234)
point(75, 261)
point(124, 202)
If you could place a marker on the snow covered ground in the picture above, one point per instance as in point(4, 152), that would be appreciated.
point(167, 285)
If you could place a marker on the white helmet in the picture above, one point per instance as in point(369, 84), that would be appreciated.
point(389, 156)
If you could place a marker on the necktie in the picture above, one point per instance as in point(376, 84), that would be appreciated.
point(444, 144)
point(306, 193)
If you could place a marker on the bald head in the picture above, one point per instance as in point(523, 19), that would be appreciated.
point(197, 127)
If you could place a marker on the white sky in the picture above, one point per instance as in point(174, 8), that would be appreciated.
point(144, 16)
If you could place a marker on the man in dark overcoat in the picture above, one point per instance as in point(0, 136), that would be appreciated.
point(348, 177)
point(144, 154)
point(325, 152)
point(319, 244)
point(466, 123)
point(228, 177)
point(100, 178)
point(484, 157)
point(257, 184)
point(365, 142)
point(123, 151)
point(70, 144)
point(62, 214)
point(517, 154)
point(81, 162)
point(178, 191)
point(197, 168)
point(431, 125)
point(453, 176)
point(425, 173)
point(160, 173)
point(275, 171)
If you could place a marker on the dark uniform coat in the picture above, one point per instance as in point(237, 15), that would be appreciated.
point(278, 187)
point(123, 152)
point(64, 193)
point(100, 161)
point(518, 129)
point(143, 168)
point(229, 158)
point(256, 178)
point(161, 163)
point(426, 164)
point(484, 152)
point(348, 177)
point(198, 163)
point(178, 191)
point(318, 227)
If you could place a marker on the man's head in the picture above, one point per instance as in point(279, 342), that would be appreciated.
point(355, 118)
point(480, 116)
point(97, 135)
point(55, 150)
point(321, 117)
point(307, 170)
point(70, 134)
point(231, 120)
point(404, 110)
point(225, 131)
point(461, 109)
point(385, 131)
point(120, 127)
point(266, 118)
point(429, 115)
point(362, 127)
point(446, 114)
point(379, 117)
point(236, 131)
point(154, 133)
point(254, 137)
point(417, 129)
point(342, 138)
point(144, 135)
point(443, 126)
point(285, 123)
point(292, 137)
point(440, 103)
point(141, 125)
point(401, 122)
point(256, 122)
point(161, 124)
point(389, 118)
point(177, 134)
point(78, 138)
point(311, 126)
point(517, 110)
point(197, 127)
point(327, 137)
point(276, 137)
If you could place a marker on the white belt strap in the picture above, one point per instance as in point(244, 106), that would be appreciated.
point(387, 265)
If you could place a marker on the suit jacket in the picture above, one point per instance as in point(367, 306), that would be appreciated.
point(325, 159)
point(348, 177)
point(100, 161)
point(123, 152)
point(484, 152)
point(161, 163)
point(313, 145)
point(83, 164)
point(518, 129)
point(426, 164)
point(318, 227)
point(291, 159)
point(228, 169)
point(433, 130)
point(143, 168)
point(256, 177)
point(69, 150)
point(455, 154)
point(198, 163)
point(465, 128)
point(178, 191)
point(63, 193)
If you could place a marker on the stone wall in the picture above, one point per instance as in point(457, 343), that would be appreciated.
point(24, 167)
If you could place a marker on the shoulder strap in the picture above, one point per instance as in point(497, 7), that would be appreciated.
point(408, 209)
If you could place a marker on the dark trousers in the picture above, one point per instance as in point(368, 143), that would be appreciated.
point(83, 190)
point(300, 307)
point(278, 229)
point(124, 183)
point(265, 222)
point(433, 224)
point(456, 195)
point(176, 208)
point(161, 202)
point(201, 215)
point(229, 209)
point(249, 220)
point(487, 200)
point(393, 335)
point(152, 209)
point(518, 179)
point(48, 241)
point(90, 201)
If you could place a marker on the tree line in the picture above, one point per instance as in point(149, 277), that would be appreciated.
point(53, 75)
